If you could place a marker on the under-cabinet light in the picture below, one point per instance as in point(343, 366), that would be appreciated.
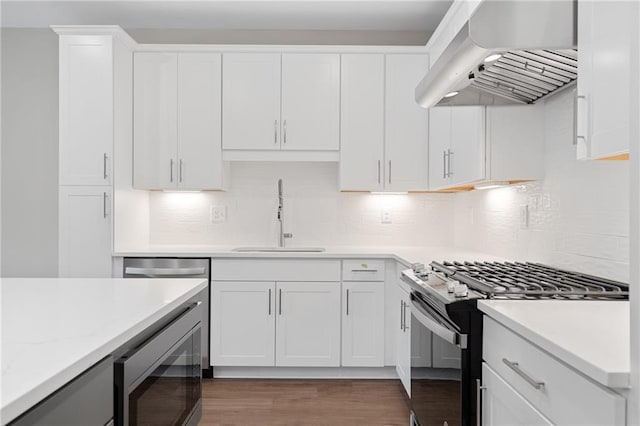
point(491, 185)
point(388, 193)
point(178, 191)
point(451, 94)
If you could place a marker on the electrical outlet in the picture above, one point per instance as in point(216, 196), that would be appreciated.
point(385, 215)
point(218, 214)
point(524, 216)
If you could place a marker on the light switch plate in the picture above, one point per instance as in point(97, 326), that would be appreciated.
point(524, 216)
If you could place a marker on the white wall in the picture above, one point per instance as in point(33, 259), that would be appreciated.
point(29, 152)
point(315, 212)
point(579, 213)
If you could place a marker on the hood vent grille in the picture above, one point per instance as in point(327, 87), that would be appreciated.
point(525, 76)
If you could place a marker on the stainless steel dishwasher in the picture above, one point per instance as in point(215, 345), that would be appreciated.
point(177, 267)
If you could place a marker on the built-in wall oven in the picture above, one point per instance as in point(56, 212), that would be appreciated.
point(159, 382)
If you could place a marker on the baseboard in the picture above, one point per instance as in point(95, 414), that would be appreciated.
point(305, 372)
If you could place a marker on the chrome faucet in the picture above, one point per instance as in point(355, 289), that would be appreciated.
point(283, 234)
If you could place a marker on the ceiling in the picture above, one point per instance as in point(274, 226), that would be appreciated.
point(327, 15)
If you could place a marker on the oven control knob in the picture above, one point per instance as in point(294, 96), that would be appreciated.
point(418, 267)
point(451, 285)
point(461, 290)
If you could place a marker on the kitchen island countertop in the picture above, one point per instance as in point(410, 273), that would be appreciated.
point(591, 336)
point(53, 329)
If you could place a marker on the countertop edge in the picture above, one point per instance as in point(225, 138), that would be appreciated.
point(614, 379)
point(14, 409)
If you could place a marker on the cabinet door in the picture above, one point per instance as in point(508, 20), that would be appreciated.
point(251, 101)
point(444, 354)
point(503, 406)
point(406, 125)
point(310, 101)
point(85, 232)
point(86, 110)
point(308, 324)
point(439, 145)
point(242, 323)
point(199, 121)
point(604, 54)
point(363, 324)
point(155, 92)
point(403, 341)
point(362, 122)
point(467, 155)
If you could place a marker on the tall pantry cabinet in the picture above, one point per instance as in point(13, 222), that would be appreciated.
point(94, 65)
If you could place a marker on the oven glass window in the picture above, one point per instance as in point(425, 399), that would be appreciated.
point(169, 395)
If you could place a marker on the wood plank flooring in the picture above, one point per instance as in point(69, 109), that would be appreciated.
point(303, 402)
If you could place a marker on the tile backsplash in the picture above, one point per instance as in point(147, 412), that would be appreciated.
point(315, 212)
point(578, 215)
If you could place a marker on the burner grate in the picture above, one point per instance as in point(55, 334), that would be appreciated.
point(531, 281)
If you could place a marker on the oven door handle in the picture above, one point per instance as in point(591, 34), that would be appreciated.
point(438, 329)
point(164, 272)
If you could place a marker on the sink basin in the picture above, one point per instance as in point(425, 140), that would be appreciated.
point(279, 249)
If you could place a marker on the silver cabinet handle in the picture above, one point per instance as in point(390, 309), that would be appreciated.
point(180, 170)
point(444, 164)
point(269, 301)
point(284, 127)
point(280, 302)
point(104, 166)
point(402, 315)
point(171, 170)
point(516, 367)
point(104, 204)
point(450, 172)
point(479, 389)
point(582, 120)
point(389, 171)
point(404, 310)
point(275, 132)
point(347, 302)
point(378, 171)
point(364, 270)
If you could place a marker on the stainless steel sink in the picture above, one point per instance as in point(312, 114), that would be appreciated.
point(280, 249)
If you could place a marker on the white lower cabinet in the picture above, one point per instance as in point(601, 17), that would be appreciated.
point(85, 231)
point(243, 323)
point(556, 391)
point(308, 324)
point(363, 324)
point(283, 324)
point(503, 406)
point(403, 341)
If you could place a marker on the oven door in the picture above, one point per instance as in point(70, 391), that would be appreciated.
point(436, 392)
point(159, 383)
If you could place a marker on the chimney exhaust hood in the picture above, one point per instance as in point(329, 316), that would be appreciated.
point(507, 53)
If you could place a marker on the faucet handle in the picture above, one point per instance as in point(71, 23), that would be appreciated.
point(288, 235)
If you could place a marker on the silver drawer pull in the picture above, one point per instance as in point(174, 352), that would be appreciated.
point(516, 367)
point(364, 270)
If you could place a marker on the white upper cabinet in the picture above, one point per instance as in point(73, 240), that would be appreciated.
point(473, 144)
point(275, 101)
point(177, 121)
point(310, 101)
point(406, 124)
point(362, 123)
point(605, 43)
point(86, 109)
point(384, 133)
point(251, 101)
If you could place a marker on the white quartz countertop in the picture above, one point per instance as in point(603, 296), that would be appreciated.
point(590, 336)
point(405, 255)
point(53, 329)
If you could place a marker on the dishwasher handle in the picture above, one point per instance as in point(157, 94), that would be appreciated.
point(164, 272)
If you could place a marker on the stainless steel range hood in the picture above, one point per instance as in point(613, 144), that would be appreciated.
point(533, 44)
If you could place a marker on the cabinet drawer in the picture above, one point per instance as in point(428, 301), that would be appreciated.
point(557, 391)
point(275, 269)
point(363, 270)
